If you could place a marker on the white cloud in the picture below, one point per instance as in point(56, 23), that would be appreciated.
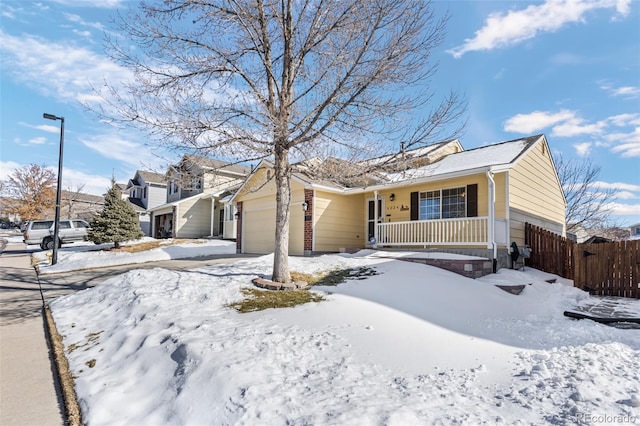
point(623, 120)
point(567, 124)
point(617, 185)
point(583, 149)
point(133, 154)
point(38, 140)
point(576, 127)
point(627, 144)
point(626, 195)
point(103, 4)
point(7, 168)
point(620, 209)
point(57, 69)
point(93, 184)
point(536, 121)
point(71, 178)
point(628, 92)
point(507, 29)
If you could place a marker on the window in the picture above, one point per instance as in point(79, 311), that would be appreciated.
point(64, 224)
point(144, 193)
point(430, 205)
point(42, 225)
point(80, 224)
point(173, 187)
point(196, 182)
point(229, 212)
point(442, 204)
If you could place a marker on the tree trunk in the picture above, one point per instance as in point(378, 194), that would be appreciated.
point(283, 201)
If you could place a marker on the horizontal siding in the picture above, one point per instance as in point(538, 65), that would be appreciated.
point(157, 197)
point(399, 209)
point(194, 218)
point(535, 188)
point(338, 221)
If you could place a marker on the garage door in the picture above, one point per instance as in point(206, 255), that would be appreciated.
point(259, 229)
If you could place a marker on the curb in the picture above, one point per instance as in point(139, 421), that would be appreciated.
point(65, 378)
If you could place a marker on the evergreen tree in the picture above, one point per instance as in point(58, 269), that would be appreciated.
point(117, 222)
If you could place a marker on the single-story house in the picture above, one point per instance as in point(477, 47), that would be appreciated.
point(468, 201)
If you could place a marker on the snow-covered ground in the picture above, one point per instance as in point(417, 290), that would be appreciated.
point(85, 255)
point(412, 345)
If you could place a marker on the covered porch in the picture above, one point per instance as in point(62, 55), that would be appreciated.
point(468, 231)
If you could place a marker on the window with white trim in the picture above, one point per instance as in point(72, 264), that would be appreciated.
point(442, 204)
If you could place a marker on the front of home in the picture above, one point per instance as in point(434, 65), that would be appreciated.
point(197, 200)
point(145, 191)
point(472, 202)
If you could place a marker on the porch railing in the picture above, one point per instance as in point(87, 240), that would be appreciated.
point(462, 231)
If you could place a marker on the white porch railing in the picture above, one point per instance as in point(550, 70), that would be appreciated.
point(462, 231)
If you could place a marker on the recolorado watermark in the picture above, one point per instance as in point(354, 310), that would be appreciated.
point(606, 419)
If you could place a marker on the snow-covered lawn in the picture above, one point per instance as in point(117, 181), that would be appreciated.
point(85, 255)
point(412, 345)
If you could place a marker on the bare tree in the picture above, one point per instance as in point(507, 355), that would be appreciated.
point(285, 80)
point(33, 187)
point(588, 203)
point(70, 198)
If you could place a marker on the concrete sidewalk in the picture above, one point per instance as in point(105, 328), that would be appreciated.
point(29, 394)
point(28, 385)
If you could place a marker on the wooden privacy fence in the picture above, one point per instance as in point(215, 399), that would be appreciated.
point(606, 269)
point(549, 252)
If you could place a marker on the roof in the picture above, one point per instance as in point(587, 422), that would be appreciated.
point(136, 203)
point(152, 177)
point(79, 196)
point(210, 163)
point(499, 154)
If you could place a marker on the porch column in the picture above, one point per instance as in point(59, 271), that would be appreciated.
point(492, 214)
point(239, 227)
point(376, 215)
point(213, 212)
point(308, 222)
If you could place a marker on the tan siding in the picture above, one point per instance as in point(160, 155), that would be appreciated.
point(535, 194)
point(501, 195)
point(194, 218)
point(338, 221)
point(399, 209)
point(258, 204)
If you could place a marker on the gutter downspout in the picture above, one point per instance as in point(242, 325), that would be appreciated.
point(492, 218)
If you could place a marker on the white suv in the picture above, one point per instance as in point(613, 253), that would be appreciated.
point(41, 232)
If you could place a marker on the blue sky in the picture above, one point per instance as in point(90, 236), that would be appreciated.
point(568, 69)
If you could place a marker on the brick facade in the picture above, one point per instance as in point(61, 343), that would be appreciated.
point(308, 222)
point(239, 228)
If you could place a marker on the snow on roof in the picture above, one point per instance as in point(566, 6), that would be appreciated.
point(492, 155)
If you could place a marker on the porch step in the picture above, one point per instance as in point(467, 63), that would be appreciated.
point(513, 289)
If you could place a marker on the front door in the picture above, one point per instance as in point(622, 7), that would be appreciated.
point(371, 219)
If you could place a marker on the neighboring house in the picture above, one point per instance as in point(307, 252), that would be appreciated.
point(634, 231)
point(7, 209)
point(145, 191)
point(473, 202)
point(197, 199)
point(77, 205)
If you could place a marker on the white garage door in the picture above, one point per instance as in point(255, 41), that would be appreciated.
point(259, 231)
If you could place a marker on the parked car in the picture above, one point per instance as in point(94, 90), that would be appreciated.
point(41, 232)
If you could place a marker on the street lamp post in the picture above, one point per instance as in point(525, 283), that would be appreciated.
point(56, 224)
